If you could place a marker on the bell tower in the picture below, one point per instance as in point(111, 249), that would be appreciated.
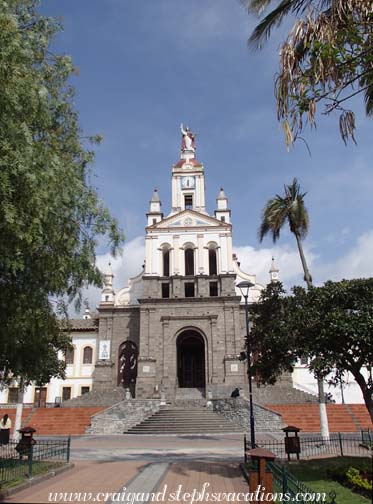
point(188, 177)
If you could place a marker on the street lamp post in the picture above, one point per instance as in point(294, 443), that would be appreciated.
point(244, 288)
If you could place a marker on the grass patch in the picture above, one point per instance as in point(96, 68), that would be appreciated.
point(38, 468)
point(314, 474)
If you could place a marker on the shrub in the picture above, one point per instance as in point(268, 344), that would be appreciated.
point(359, 479)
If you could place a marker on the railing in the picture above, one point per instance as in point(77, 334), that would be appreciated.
point(287, 484)
point(18, 461)
point(336, 444)
point(367, 438)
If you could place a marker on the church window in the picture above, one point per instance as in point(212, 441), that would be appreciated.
point(87, 355)
point(188, 201)
point(106, 298)
point(213, 268)
point(213, 289)
point(166, 262)
point(189, 261)
point(165, 290)
point(154, 221)
point(84, 390)
point(69, 358)
point(66, 393)
point(189, 289)
point(304, 361)
point(222, 218)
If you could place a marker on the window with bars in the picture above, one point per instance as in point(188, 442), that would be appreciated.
point(87, 355)
point(66, 393)
point(69, 357)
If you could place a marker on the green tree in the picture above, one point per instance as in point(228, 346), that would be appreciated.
point(326, 59)
point(291, 209)
point(332, 325)
point(51, 216)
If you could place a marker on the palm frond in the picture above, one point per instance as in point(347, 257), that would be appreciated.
point(263, 30)
point(368, 98)
point(273, 218)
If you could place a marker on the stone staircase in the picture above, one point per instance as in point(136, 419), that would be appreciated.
point(179, 420)
point(190, 397)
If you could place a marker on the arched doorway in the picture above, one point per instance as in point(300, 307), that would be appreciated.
point(191, 360)
point(127, 366)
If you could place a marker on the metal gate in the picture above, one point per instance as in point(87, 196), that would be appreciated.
point(127, 368)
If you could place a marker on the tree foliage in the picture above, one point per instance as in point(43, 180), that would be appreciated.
point(326, 60)
point(332, 325)
point(50, 214)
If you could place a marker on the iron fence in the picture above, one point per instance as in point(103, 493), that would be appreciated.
point(367, 438)
point(337, 444)
point(18, 461)
point(288, 484)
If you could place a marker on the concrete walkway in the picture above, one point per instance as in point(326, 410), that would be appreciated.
point(171, 467)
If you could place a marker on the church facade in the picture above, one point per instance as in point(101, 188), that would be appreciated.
point(180, 323)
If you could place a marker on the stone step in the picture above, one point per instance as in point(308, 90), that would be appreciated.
point(185, 431)
point(185, 421)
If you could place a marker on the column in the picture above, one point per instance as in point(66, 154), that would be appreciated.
point(176, 245)
point(201, 268)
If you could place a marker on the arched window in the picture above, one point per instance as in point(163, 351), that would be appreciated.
point(69, 357)
point(87, 355)
point(213, 265)
point(189, 261)
point(166, 261)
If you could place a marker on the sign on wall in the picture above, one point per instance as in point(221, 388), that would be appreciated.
point(104, 350)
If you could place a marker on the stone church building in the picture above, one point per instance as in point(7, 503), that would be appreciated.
point(180, 323)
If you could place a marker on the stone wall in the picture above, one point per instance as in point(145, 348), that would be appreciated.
point(106, 397)
point(237, 410)
point(123, 415)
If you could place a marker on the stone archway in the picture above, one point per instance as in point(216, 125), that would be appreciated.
point(127, 366)
point(191, 372)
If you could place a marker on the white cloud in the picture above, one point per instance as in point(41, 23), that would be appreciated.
point(258, 262)
point(127, 265)
point(356, 263)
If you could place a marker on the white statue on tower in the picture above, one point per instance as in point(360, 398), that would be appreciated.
point(187, 142)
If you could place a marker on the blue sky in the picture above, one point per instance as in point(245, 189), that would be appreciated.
point(147, 65)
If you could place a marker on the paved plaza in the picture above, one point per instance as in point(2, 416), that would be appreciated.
point(170, 466)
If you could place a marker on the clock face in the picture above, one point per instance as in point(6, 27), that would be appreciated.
point(187, 182)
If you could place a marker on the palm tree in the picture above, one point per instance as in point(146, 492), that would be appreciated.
point(291, 209)
point(276, 213)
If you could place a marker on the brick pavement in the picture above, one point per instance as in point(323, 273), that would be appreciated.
point(84, 477)
point(198, 477)
point(183, 477)
point(145, 463)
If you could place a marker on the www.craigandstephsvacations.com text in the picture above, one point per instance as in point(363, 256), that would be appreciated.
point(186, 496)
